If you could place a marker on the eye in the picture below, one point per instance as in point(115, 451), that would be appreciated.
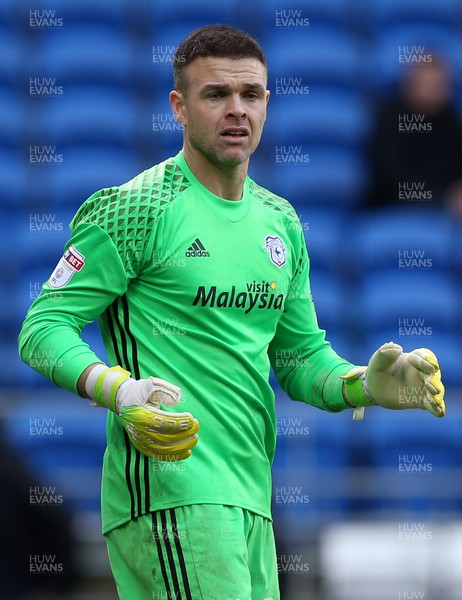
point(251, 95)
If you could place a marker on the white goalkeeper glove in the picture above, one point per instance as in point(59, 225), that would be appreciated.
point(156, 433)
point(397, 380)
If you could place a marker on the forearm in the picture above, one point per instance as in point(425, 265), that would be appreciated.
point(83, 380)
point(317, 380)
point(306, 366)
point(56, 351)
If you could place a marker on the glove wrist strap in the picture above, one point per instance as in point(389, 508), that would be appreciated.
point(354, 391)
point(103, 384)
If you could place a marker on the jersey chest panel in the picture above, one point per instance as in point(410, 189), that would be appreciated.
point(209, 269)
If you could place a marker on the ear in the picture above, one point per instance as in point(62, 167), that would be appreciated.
point(178, 106)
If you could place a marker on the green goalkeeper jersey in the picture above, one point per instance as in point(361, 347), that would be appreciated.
point(205, 293)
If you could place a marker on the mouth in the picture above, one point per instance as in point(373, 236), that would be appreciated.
point(235, 133)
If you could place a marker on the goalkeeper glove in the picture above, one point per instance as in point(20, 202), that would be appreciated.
point(154, 432)
point(397, 380)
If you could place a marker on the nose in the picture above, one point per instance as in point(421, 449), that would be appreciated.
point(235, 107)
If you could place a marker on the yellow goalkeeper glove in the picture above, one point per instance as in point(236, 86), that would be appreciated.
point(397, 380)
point(156, 433)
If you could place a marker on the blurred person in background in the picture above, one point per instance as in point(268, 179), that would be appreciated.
point(416, 147)
point(37, 554)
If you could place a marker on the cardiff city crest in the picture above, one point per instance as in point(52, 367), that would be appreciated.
point(276, 249)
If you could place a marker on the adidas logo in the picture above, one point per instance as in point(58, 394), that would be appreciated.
point(196, 249)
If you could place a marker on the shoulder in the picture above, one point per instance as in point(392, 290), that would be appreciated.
point(137, 202)
point(129, 213)
point(271, 201)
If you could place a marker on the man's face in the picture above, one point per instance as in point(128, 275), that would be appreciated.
point(223, 108)
point(428, 87)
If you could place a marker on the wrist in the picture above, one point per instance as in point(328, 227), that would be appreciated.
point(355, 392)
point(353, 387)
point(103, 384)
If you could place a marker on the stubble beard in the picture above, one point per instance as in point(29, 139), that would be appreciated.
point(219, 156)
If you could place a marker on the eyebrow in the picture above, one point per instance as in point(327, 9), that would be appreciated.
point(214, 87)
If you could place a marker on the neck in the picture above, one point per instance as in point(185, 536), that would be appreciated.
point(224, 181)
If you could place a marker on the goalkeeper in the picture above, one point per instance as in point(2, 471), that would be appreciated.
point(199, 280)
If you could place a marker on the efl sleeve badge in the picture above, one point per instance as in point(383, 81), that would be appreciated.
point(70, 263)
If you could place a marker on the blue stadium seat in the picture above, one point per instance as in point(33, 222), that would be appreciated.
point(91, 115)
point(13, 57)
point(412, 306)
point(415, 458)
point(153, 67)
point(274, 16)
point(388, 296)
point(8, 345)
point(157, 127)
point(12, 118)
point(9, 219)
point(40, 238)
point(384, 66)
point(382, 13)
point(16, 374)
point(86, 169)
point(36, 197)
point(458, 249)
point(333, 176)
point(312, 452)
point(260, 166)
point(12, 176)
point(85, 55)
point(8, 14)
point(165, 147)
point(325, 234)
point(321, 56)
point(159, 14)
point(84, 11)
point(8, 281)
point(416, 231)
point(325, 115)
point(64, 440)
point(329, 299)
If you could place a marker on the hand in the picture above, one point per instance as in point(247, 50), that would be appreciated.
point(156, 433)
point(398, 380)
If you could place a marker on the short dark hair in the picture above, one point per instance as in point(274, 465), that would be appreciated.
point(222, 41)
